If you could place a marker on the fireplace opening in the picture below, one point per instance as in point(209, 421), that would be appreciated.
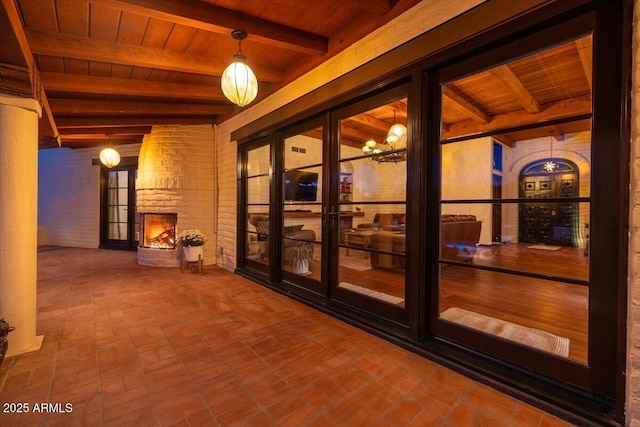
point(158, 230)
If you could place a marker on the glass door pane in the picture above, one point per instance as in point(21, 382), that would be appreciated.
point(258, 195)
point(516, 204)
point(302, 208)
point(118, 205)
point(372, 209)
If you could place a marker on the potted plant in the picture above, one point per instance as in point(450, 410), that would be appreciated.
point(5, 328)
point(192, 242)
point(301, 256)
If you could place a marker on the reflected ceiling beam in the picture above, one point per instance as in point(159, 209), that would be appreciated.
point(360, 135)
point(370, 121)
point(474, 112)
point(586, 56)
point(116, 86)
point(517, 89)
point(564, 109)
point(85, 48)
point(98, 106)
point(505, 139)
point(204, 16)
point(119, 121)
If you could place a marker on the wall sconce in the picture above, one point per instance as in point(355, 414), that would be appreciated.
point(239, 83)
point(109, 157)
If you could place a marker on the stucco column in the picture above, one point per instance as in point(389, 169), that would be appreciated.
point(18, 219)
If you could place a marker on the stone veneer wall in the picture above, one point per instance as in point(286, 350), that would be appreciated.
point(176, 174)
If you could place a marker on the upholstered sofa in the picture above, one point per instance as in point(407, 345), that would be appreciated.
point(459, 236)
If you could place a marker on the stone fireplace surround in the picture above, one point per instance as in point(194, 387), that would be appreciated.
point(176, 175)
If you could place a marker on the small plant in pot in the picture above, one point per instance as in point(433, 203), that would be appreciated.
point(302, 254)
point(192, 242)
point(5, 328)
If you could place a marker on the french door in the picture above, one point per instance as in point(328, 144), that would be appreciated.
point(118, 219)
point(368, 197)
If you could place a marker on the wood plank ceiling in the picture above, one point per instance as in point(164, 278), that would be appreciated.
point(111, 69)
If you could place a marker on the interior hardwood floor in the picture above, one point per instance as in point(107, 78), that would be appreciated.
point(551, 306)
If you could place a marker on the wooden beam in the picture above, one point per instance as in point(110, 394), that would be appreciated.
point(96, 137)
point(102, 131)
point(15, 25)
point(85, 48)
point(84, 143)
point(586, 56)
point(378, 7)
point(115, 122)
point(115, 86)
point(99, 106)
point(517, 89)
point(216, 19)
point(567, 108)
point(369, 121)
point(474, 112)
point(505, 139)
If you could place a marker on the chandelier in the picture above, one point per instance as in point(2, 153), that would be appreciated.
point(394, 147)
point(239, 83)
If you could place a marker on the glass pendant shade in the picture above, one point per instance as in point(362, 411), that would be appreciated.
point(239, 83)
point(109, 157)
point(397, 136)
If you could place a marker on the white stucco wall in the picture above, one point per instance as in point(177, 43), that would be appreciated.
point(69, 195)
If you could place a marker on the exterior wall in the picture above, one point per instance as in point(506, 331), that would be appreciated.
point(633, 299)
point(69, 196)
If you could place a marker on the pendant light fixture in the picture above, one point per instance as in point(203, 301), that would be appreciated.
point(239, 83)
point(109, 157)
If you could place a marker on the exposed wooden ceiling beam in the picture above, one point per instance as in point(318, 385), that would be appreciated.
point(586, 56)
point(124, 130)
point(474, 112)
point(98, 106)
point(83, 143)
point(376, 6)
point(369, 121)
point(566, 108)
point(115, 86)
point(94, 137)
point(118, 121)
point(360, 135)
point(517, 89)
point(216, 19)
point(14, 23)
point(89, 49)
point(219, 20)
point(505, 139)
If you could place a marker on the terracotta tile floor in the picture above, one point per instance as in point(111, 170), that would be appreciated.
point(132, 345)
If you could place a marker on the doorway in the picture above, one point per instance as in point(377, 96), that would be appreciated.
point(118, 219)
point(551, 221)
